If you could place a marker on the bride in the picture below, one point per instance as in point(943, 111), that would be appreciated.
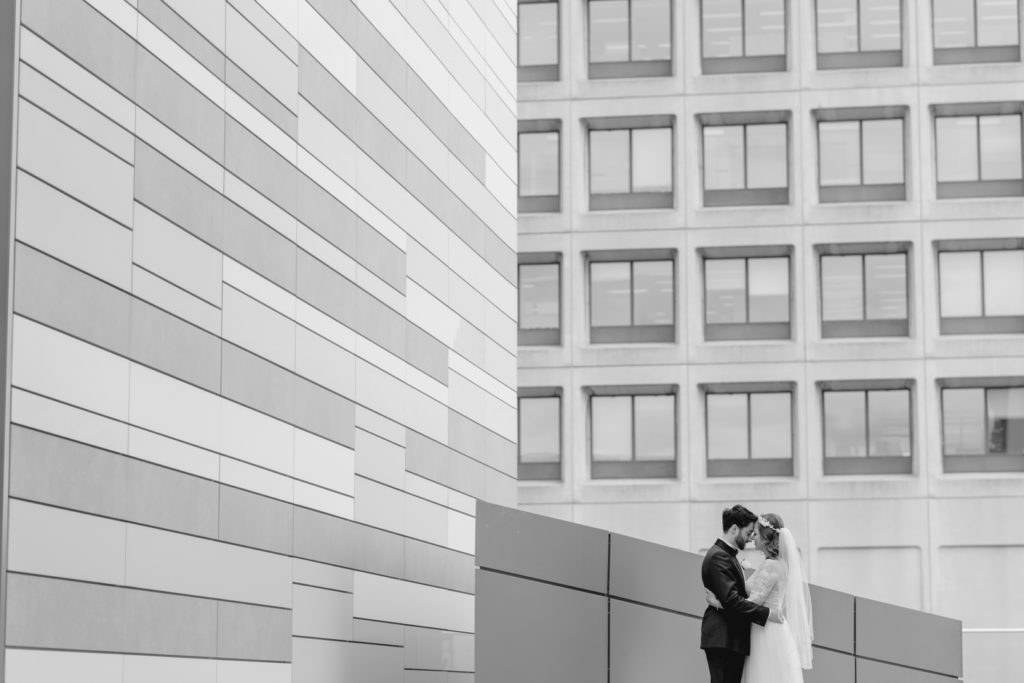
point(778, 651)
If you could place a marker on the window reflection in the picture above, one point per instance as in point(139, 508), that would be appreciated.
point(538, 34)
point(871, 423)
point(539, 429)
point(538, 296)
point(538, 164)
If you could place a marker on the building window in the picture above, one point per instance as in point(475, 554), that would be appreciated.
point(632, 432)
point(860, 156)
point(538, 41)
point(540, 294)
point(972, 31)
point(856, 34)
point(981, 291)
point(979, 156)
point(745, 162)
point(632, 297)
point(630, 38)
point(539, 166)
point(746, 297)
point(743, 36)
point(540, 433)
point(867, 428)
point(749, 430)
point(864, 293)
point(630, 167)
point(983, 426)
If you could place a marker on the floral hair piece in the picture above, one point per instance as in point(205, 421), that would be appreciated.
point(765, 523)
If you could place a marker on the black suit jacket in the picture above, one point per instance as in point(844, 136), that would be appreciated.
point(729, 627)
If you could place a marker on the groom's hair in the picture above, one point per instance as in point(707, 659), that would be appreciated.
point(738, 515)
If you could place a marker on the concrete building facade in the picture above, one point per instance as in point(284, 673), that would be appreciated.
point(773, 252)
point(260, 339)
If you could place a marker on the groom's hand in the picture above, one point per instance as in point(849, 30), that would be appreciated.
point(776, 616)
point(711, 599)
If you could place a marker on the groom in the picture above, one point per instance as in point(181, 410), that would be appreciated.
point(725, 633)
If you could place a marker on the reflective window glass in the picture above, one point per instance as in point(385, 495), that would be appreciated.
point(837, 26)
point(610, 294)
point(765, 24)
point(766, 156)
point(539, 429)
point(652, 159)
point(880, 26)
point(609, 30)
point(611, 419)
point(845, 424)
point(655, 427)
point(960, 284)
point(882, 140)
point(839, 152)
point(842, 288)
point(609, 161)
point(998, 23)
point(1006, 421)
point(956, 148)
point(538, 33)
point(651, 25)
point(768, 290)
point(538, 296)
point(728, 437)
point(885, 285)
point(1003, 281)
point(963, 421)
point(725, 290)
point(1000, 147)
point(771, 425)
point(538, 164)
point(653, 294)
point(889, 422)
point(723, 158)
point(953, 23)
point(722, 28)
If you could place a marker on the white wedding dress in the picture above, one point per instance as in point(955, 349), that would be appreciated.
point(774, 657)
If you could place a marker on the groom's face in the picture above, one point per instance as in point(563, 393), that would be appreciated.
point(743, 537)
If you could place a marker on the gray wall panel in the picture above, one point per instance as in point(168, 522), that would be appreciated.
point(175, 347)
point(260, 166)
point(321, 212)
point(381, 256)
point(54, 613)
point(438, 463)
point(656, 575)
point(541, 548)
point(378, 552)
point(178, 196)
point(426, 353)
point(428, 648)
point(538, 632)
point(904, 636)
point(380, 632)
point(831, 667)
point(49, 469)
point(256, 245)
point(324, 412)
point(55, 294)
point(652, 645)
point(256, 521)
point(254, 632)
point(833, 618)
point(880, 672)
point(475, 440)
point(193, 42)
point(321, 537)
point(168, 97)
point(256, 95)
point(326, 290)
point(436, 566)
point(87, 37)
point(380, 323)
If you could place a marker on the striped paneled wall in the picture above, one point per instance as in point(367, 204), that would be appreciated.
point(263, 336)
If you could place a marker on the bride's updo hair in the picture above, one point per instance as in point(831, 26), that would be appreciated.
point(768, 526)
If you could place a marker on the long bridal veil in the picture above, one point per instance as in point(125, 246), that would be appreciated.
point(798, 598)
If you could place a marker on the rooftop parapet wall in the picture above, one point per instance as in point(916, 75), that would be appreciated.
point(564, 602)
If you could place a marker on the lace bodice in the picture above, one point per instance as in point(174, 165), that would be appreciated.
point(767, 586)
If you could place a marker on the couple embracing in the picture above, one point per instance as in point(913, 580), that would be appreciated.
point(775, 600)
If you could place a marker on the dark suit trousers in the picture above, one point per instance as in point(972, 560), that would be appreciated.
point(725, 666)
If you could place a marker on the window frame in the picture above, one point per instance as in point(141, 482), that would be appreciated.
point(774, 196)
point(540, 203)
point(633, 468)
point(858, 59)
point(749, 467)
point(541, 471)
point(612, 201)
point(632, 334)
point(969, 189)
point(888, 192)
point(955, 325)
point(540, 72)
point(975, 54)
point(866, 327)
point(987, 462)
point(544, 336)
point(746, 331)
point(629, 68)
point(868, 464)
point(711, 66)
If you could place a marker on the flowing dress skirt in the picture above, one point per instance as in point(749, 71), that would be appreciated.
point(773, 656)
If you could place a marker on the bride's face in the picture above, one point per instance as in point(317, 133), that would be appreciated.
point(758, 541)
